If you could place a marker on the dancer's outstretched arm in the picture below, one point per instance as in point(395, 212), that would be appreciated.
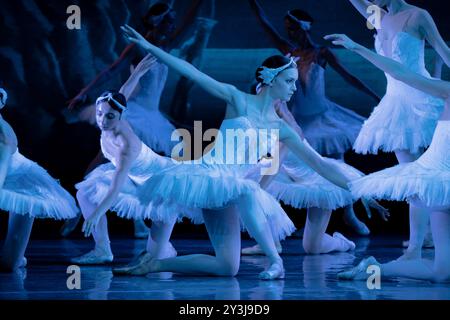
point(223, 91)
point(123, 166)
point(362, 6)
point(334, 62)
point(284, 45)
point(308, 155)
point(430, 32)
point(398, 71)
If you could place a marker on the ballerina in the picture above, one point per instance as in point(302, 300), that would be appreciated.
point(27, 192)
point(219, 188)
point(299, 186)
point(424, 182)
point(329, 128)
point(405, 119)
point(114, 185)
point(150, 125)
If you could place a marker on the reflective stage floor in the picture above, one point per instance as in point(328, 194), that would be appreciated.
point(307, 277)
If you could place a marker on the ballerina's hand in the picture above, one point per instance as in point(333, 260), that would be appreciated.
point(371, 203)
point(90, 224)
point(132, 35)
point(342, 40)
point(145, 64)
point(289, 55)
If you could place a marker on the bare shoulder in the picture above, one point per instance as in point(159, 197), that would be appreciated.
point(129, 145)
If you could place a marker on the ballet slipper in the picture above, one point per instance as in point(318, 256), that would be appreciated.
point(360, 271)
point(256, 250)
point(274, 272)
point(351, 245)
point(93, 257)
point(145, 266)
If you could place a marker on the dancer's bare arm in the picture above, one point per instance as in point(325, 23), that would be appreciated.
point(398, 71)
point(221, 90)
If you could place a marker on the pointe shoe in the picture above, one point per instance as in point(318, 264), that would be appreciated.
point(93, 257)
point(351, 244)
point(144, 267)
point(360, 271)
point(256, 250)
point(357, 226)
point(274, 272)
point(169, 253)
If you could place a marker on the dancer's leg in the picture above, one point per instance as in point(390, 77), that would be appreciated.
point(316, 241)
point(258, 227)
point(418, 217)
point(223, 227)
point(158, 244)
point(19, 230)
point(350, 218)
point(419, 269)
point(102, 251)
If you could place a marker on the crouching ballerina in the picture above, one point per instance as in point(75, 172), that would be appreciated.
point(27, 191)
point(299, 186)
point(424, 182)
point(221, 189)
point(114, 185)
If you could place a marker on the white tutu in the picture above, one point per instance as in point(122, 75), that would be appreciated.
point(406, 118)
point(328, 127)
point(143, 113)
point(427, 179)
point(300, 186)
point(214, 186)
point(97, 183)
point(30, 190)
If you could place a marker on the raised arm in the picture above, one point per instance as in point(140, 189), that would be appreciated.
point(363, 7)
point(118, 66)
point(143, 66)
point(398, 71)
point(431, 34)
point(218, 89)
point(344, 73)
point(281, 43)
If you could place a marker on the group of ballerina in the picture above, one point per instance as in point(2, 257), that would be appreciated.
point(141, 180)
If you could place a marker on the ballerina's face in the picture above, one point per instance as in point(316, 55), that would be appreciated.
point(107, 118)
point(283, 86)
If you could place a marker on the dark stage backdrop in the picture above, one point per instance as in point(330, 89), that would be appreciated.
point(43, 64)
